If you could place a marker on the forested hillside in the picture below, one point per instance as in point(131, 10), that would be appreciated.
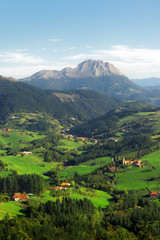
point(82, 104)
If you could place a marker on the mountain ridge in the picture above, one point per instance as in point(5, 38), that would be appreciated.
point(97, 75)
point(82, 104)
point(88, 68)
point(147, 82)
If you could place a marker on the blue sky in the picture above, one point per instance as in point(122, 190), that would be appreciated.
point(53, 34)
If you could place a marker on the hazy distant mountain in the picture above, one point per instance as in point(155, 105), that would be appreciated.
point(145, 82)
point(97, 75)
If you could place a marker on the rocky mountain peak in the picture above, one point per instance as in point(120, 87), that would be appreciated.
point(97, 68)
point(87, 69)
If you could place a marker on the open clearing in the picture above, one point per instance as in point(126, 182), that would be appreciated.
point(99, 198)
point(85, 168)
point(70, 144)
point(18, 139)
point(12, 208)
point(28, 164)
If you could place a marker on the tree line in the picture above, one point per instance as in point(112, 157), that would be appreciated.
point(30, 183)
point(128, 144)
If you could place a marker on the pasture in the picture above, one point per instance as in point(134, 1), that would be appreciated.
point(99, 198)
point(11, 208)
point(70, 144)
point(18, 139)
point(85, 168)
point(28, 164)
point(140, 178)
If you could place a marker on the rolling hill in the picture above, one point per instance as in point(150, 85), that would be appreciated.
point(147, 82)
point(83, 104)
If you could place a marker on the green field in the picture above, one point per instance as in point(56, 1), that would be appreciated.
point(18, 139)
point(70, 144)
point(138, 116)
point(140, 178)
point(85, 168)
point(99, 198)
point(28, 164)
point(12, 208)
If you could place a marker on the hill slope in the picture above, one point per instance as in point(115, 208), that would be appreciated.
point(145, 82)
point(83, 104)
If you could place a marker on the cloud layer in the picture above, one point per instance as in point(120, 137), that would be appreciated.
point(133, 62)
point(19, 57)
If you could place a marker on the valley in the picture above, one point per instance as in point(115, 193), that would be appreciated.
point(81, 153)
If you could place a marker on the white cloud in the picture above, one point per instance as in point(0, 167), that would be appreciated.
point(54, 40)
point(22, 71)
point(19, 57)
point(55, 50)
point(89, 46)
point(69, 49)
point(133, 62)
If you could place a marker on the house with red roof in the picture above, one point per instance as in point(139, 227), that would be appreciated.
point(19, 197)
point(112, 169)
point(65, 184)
point(153, 194)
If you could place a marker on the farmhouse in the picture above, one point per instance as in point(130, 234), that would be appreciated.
point(153, 194)
point(19, 197)
point(26, 153)
point(127, 162)
point(137, 163)
point(59, 188)
point(8, 129)
point(112, 169)
point(65, 184)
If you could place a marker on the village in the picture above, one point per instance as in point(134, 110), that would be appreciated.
point(64, 133)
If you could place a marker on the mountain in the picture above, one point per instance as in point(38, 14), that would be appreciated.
point(81, 104)
point(97, 75)
point(146, 82)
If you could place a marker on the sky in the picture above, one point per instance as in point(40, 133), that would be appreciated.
point(53, 34)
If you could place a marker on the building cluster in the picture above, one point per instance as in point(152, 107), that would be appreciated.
point(135, 163)
point(6, 129)
point(63, 133)
point(26, 153)
point(63, 186)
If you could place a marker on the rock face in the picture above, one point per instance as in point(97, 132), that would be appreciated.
point(89, 68)
point(93, 68)
point(92, 74)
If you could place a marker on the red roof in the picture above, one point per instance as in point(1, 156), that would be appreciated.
point(65, 184)
point(153, 193)
point(20, 196)
point(57, 187)
point(112, 168)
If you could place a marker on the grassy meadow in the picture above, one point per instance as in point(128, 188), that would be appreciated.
point(28, 164)
point(97, 197)
point(18, 139)
point(85, 168)
point(11, 208)
point(70, 144)
point(140, 178)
